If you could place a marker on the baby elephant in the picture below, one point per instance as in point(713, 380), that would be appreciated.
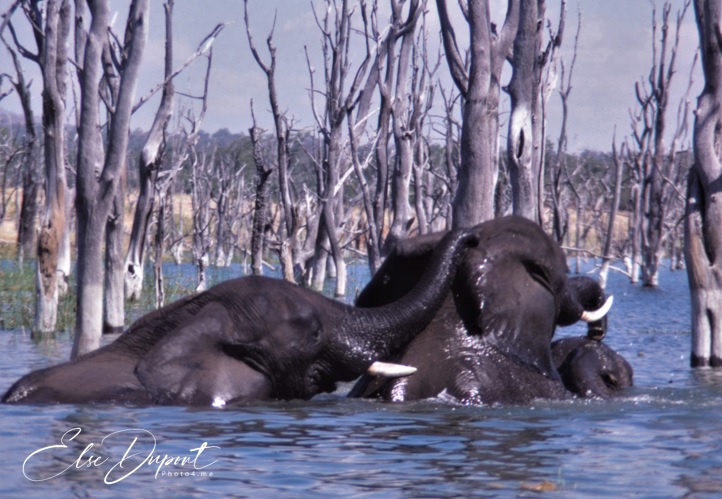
point(589, 368)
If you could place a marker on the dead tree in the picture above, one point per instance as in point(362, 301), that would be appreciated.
point(452, 151)
point(228, 204)
point(703, 221)
point(529, 93)
point(97, 183)
point(201, 186)
point(557, 178)
point(31, 169)
point(50, 28)
point(388, 73)
point(260, 209)
point(423, 91)
point(151, 158)
point(403, 119)
point(336, 27)
point(52, 44)
point(479, 86)
point(184, 149)
point(113, 293)
point(654, 161)
point(289, 245)
point(149, 164)
point(522, 87)
point(616, 194)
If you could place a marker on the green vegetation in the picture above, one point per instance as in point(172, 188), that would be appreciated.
point(17, 296)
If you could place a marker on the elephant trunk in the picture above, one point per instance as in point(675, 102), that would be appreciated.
point(371, 334)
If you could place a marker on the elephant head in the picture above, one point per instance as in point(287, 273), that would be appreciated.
point(246, 339)
point(589, 368)
point(490, 342)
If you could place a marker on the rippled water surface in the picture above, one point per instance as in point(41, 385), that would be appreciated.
point(662, 439)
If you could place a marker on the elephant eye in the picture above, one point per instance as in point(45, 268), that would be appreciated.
point(317, 333)
point(610, 380)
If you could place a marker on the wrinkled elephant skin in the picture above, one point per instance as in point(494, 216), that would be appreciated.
point(490, 342)
point(246, 339)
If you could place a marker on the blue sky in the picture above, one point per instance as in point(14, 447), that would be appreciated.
point(615, 50)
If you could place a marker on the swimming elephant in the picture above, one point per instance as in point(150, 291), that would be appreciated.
point(491, 340)
point(590, 368)
point(246, 339)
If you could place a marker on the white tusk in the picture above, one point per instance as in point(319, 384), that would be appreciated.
point(388, 370)
point(597, 315)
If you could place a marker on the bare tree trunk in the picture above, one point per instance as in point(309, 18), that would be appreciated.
point(340, 96)
point(703, 221)
point(53, 225)
point(289, 224)
point(201, 199)
point(636, 235)
point(480, 87)
point(558, 179)
point(31, 173)
point(260, 210)
point(151, 158)
point(373, 245)
point(520, 140)
point(658, 162)
point(97, 186)
point(607, 253)
point(158, 260)
point(403, 126)
point(452, 156)
point(113, 291)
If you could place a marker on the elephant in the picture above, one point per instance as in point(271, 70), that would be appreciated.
point(490, 343)
point(589, 368)
point(247, 339)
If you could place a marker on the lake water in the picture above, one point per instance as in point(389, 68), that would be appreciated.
point(662, 439)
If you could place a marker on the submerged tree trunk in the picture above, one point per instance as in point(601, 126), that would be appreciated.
point(97, 184)
point(703, 222)
point(290, 248)
point(151, 158)
point(658, 162)
point(609, 241)
point(53, 226)
point(260, 209)
point(113, 291)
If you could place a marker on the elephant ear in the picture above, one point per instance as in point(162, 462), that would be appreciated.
point(199, 363)
point(514, 311)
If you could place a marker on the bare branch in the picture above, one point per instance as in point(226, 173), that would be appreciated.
point(203, 47)
point(453, 56)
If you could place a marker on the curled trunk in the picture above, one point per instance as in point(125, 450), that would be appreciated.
point(368, 334)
